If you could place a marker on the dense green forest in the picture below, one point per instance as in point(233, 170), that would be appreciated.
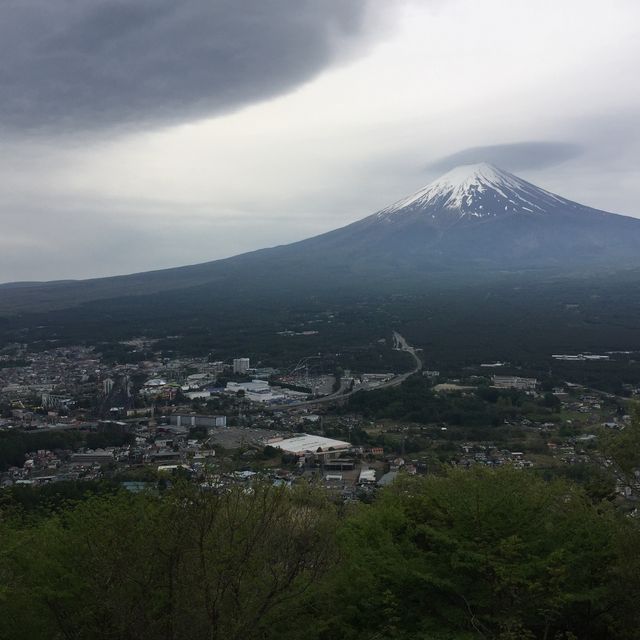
point(415, 401)
point(521, 318)
point(468, 554)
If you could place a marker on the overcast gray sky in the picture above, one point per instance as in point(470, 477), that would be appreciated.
point(140, 134)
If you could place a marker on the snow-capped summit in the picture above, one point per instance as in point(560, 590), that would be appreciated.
point(476, 191)
point(482, 215)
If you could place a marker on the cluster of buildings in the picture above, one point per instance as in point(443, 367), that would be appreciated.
point(40, 388)
point(489, 455)
point(161, 448)
point(214, 421)
point(56, 377)
point(153, 452)
point(262, 391)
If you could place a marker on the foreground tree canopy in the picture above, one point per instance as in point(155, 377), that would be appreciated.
point(480, 554)
point(186, 565)
point(487, 555)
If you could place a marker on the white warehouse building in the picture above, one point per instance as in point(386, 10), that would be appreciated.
point(317, 445)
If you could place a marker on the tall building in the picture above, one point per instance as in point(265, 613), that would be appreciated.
point(240, 365)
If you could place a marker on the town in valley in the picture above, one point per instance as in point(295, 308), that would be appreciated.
point(70, 414)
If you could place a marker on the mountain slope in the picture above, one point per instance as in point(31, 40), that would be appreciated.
point(474, 219)
point(480, 215)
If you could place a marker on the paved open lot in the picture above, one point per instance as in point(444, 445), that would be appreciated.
point(235, 437)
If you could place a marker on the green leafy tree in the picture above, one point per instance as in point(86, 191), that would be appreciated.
point(491, 554)
point(186, 565)
point(623, 447)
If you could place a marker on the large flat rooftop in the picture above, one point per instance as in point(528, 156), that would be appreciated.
point(306, 443)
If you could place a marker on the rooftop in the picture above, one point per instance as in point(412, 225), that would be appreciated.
point(304, 443)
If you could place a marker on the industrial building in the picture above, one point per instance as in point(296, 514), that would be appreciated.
point(317, 445)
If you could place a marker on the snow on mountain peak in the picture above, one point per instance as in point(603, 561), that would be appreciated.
point(466, 174)
point(460, 183)
point(478, 191)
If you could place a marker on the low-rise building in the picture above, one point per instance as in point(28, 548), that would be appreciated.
point(515, 382)
point(304, 444)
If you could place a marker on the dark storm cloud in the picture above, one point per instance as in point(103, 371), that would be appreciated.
point(91, 64)
point(517, 156)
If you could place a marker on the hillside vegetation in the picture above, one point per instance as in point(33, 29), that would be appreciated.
point(471, 554)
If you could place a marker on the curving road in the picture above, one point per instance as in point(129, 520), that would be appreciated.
point(400, 344)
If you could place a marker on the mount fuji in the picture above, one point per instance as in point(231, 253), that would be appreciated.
point(475, 219)
point(481, 216)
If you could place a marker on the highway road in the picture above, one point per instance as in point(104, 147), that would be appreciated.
point(400, 344)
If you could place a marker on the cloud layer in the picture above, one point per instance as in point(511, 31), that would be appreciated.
point(516, 156)
point(288, 118)
point(75, 65)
